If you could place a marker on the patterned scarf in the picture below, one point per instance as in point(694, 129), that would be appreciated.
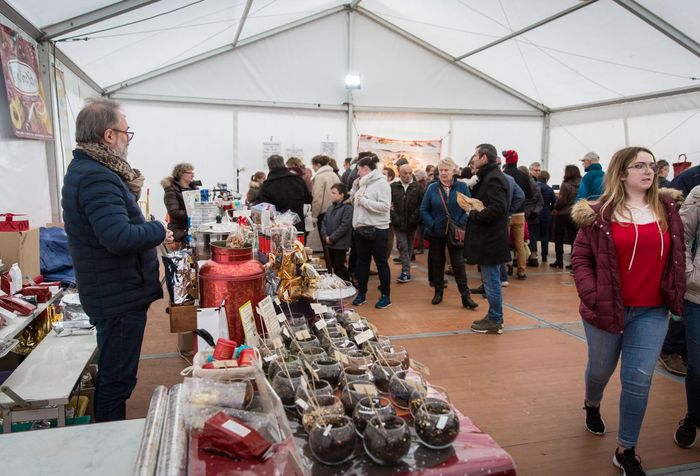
point(107, 157)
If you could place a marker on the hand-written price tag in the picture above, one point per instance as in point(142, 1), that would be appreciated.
point(277, 343)
point(363, 337)
point(317, 308)
point(248, 321)
point(277, 301)
point(320, 324)
point(302, 335)
point(267, 311)
point(442, 421)
point(302, 403)
point(281, 318)
point(286, 332)
point(286, 296)
point(327, 431)
point(270, 358)
point(364, 389)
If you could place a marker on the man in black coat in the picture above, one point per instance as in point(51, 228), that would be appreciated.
point(517, 219)
point(285, 190)
point(406, 198)
point(113, 249)
point(486, 242)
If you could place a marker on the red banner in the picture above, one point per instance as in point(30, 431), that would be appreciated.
point(25, 94)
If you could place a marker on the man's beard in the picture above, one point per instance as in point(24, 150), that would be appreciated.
point(121, 152)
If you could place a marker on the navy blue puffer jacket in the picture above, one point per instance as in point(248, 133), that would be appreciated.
point(112, 245)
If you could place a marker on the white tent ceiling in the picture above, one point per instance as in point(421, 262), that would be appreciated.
point(553, 54)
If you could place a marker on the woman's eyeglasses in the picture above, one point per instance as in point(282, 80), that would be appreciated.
point(641, 166)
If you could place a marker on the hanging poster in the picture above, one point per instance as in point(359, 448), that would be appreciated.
point(25, 94)
point(270, 148)
point(329, 149)
point(418, 152)
point(63, 122)
point(295, 152)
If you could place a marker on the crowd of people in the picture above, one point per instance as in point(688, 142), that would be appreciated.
point(634, 258)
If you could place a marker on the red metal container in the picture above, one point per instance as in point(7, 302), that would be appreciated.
point(233, 276)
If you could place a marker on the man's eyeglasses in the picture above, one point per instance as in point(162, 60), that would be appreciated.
point(129, 134)
point(641, 166)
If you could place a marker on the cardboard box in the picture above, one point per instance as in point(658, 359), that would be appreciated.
point(21, 247)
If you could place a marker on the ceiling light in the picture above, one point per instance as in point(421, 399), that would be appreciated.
point(353, 81)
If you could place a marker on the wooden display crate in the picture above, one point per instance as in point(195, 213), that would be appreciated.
point(182, 318)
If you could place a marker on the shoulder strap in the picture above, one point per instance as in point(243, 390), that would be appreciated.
point(447, 212)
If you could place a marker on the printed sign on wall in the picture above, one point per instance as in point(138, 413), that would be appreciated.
point(25, 94)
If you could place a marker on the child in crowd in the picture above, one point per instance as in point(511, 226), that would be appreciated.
point(336, 230)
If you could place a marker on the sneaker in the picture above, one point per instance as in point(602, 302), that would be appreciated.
point(403, 278)
point(674, 364)
point(383, 302)
point(594, 423)
point(486, 326)
point(628, 462)
point(359, 300)
point(505, 284)
point(687, 432)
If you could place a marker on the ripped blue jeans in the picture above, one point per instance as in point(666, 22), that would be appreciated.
point(639, 346)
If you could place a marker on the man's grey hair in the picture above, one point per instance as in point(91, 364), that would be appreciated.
point(535, 164)
point(98, 115)
point(275, 162)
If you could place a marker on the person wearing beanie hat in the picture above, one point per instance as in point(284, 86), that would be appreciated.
point(592, 182)
point(516, 225)
point(511, 156)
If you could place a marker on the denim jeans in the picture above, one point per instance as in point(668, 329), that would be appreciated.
point(491, 277)
point(691, 316)
point(119, 341)
point(368, 249)
point(640, 345)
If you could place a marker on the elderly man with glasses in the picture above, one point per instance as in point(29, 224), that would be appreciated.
point(113, 249)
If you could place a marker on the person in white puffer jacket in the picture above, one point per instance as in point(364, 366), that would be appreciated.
point(371, 198)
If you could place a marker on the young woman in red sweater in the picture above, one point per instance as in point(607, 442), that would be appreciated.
point(629, 268)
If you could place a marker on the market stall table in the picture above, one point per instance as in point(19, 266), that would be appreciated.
point(46, 378)
point(17, 325)
point(107, 449)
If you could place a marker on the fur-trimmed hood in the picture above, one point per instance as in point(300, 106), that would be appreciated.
point(167, 182)
point(584, 213)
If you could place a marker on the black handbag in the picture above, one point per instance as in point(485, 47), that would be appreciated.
point(455, 233)
point(366, 232)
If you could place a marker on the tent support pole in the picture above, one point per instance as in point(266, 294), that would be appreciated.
point(351, 112)
point(545, 140)
point(626, 125)
point(45, 70)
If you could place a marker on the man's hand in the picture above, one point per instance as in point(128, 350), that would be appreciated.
point(168, 237)
point(328, 241)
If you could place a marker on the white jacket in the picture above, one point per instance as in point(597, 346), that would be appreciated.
point(324, 179)
point(372, 201)
point(690, 214)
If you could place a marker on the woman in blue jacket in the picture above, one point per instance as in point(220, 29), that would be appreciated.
point(439, 210)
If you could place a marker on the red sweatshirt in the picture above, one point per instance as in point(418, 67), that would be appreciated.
point(640, 265)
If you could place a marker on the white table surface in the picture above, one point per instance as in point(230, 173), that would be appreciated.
point(17, 325)
point(103, 449)
point(51, 370)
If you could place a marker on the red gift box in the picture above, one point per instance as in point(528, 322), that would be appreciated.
point(42, 293)
point(12, 303)
point(13, 222)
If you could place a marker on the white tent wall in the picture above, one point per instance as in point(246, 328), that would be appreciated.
point(217, 140)
point(24, 180)
point(667, 126)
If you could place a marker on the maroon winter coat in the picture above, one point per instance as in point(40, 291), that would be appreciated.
point(596, 272)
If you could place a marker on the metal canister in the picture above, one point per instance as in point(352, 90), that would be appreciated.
point(232, 276)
